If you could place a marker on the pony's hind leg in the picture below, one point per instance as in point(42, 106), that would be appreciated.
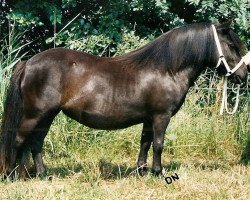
point(23, 156)
point(146, 140)
point(18, 160)
point(31, 136)
point(37, 140)
point(36, 150)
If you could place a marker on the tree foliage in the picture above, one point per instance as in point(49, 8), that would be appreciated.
point(102, 27)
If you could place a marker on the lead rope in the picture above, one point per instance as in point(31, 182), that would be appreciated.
point(224, 103)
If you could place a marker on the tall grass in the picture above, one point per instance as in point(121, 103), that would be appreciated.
point(11, 52)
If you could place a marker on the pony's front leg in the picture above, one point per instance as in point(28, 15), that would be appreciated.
point(146, 140)
point(160, 123)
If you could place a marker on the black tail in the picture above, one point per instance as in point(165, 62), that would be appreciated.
point(13, 110)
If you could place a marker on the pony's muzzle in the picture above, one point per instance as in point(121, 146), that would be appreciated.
point(240, 76)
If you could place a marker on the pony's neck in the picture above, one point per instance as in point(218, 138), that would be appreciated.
point(188, 76)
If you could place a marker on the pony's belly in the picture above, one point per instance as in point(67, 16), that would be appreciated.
point(105, 122)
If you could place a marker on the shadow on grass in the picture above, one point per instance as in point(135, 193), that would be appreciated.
point(173, 166)
point(210, 165)
point(63, 171)
point(107, 170)
point(110, 170)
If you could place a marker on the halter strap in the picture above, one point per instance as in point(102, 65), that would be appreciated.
point(245, 59)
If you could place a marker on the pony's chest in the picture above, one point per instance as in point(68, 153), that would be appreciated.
point(165, 94)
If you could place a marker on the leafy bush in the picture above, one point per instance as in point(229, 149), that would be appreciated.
point(221, 10)
point(103, 23)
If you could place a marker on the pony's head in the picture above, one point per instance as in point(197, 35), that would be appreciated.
point(233, 59)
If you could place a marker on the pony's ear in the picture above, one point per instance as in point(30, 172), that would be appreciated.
point(224, 27)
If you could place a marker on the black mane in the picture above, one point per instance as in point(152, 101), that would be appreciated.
point(187, 46)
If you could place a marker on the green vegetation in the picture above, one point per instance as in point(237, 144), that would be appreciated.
point(101, 24)
point(203, 148)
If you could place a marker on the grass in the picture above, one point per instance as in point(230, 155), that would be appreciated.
point(194, 183)
point(203, 148)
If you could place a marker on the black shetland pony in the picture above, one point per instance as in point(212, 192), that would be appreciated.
point(147, 86)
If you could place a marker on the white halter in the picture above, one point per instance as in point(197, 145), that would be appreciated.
point(245, 59)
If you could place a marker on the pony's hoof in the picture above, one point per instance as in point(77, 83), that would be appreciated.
point(143, 172)
point(156, 172)
point(41, 175)
point(3, 177)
